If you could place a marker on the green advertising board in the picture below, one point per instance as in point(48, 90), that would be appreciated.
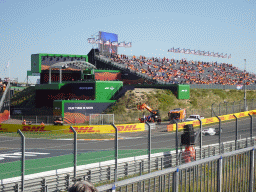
point(105, 90)
point(183, 91)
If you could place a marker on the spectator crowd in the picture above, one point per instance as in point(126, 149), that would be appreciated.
point(185, 72)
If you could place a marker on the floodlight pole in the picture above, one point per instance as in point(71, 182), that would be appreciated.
point(245, 106)
point(50, 75)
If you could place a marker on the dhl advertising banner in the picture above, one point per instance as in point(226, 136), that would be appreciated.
point(172, 127)
point(81, 129)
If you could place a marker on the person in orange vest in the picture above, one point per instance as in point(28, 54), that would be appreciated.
point(24, 122)
point(42, 123)
point(189, 154)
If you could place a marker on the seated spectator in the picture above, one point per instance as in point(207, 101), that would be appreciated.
point(183, 71)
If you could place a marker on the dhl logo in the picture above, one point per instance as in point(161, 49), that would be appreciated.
point(241, 114)
point(33, 128)
point(85, 130)
point(210, 120)
point(196, 123)
point(222, 118)
point(2, 129)
point(127, 128)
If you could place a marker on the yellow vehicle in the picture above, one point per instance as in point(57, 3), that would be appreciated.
point(178, 115)
point(154, 114)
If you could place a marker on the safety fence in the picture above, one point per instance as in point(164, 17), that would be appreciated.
point(215, 86)
point(101, 119)
point(104, 119)
point(34, 120)
point(105, 171)
point(231, 171)
point(232, 107)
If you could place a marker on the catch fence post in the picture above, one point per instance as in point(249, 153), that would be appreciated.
point(23, 159)
point(251, 181)
point(75, 150)
point(201, 138)
point(16, 188)
point(236, 131)
point(219, 134)
point(251, 125)
point(177, 143)
point(116, 151)
point(175, 187)
point(149, 146)
point(219, 176)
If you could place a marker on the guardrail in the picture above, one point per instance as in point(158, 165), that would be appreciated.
point(230, 171)
point(104, 171)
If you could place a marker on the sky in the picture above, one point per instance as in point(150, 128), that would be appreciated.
point(153, 26)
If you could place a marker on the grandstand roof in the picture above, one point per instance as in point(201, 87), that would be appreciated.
point(67, 64)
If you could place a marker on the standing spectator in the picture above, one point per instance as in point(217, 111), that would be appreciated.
point(24, 122)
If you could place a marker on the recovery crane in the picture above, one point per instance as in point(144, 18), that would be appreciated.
point(154, 114)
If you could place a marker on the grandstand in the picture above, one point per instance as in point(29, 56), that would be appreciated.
point(170, 71)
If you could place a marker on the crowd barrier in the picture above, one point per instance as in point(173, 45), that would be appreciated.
point(172, 127)
point(80, 129)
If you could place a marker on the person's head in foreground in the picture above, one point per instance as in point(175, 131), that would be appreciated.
point(82, 186)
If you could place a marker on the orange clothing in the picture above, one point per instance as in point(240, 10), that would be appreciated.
point(189, 154)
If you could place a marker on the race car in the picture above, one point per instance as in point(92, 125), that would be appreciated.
point(209, 131)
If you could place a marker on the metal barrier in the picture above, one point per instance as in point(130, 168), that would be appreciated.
point(104, 171)
point(34, 120)
point(232, 107)
point(101, 119)
point(230, 171)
